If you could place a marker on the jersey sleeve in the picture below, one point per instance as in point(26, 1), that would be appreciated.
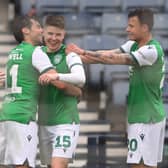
point(77, 73)
point(126, 47)
point(146, 55)
point(40, 60)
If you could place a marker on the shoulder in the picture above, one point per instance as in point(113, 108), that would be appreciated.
point(127, 46)
point(146, 55)
point(156, 44)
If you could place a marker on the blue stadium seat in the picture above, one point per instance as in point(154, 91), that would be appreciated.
point(160, 24)
point(56, 6)
point(119, 89)
point(166, 6)
point(95, 72)
point(73, 39)
point(114, 23)
point(25, 6)
point(99, 42)
point(113, 71)
point(156, 5)
point(81, 24)
point(163, 41)
point(100, 6)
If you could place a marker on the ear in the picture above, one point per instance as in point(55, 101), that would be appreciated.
point(145, 27)
point(64, 32)
point(25, 30)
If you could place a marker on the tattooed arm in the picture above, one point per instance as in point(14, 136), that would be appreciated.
point(114, 56)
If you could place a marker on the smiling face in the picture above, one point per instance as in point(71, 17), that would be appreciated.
point(27, 29)
point(53, 37)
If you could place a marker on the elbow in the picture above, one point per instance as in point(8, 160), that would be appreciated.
point(82, 81)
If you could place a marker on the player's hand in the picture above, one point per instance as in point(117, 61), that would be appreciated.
point(74, 48)
point(46, 78)
point(2, 77)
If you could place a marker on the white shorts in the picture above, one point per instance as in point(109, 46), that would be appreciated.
point(57, 141)
point(18, 143)
point(146, 141)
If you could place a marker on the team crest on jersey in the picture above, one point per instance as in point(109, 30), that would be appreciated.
point(57, 58)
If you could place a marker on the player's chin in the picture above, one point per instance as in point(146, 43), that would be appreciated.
point(53, 47)
point(39, 41)
point(130, 37)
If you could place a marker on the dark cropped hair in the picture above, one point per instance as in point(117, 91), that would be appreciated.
point(144, 15)
point(19, 23)
point(57, 21)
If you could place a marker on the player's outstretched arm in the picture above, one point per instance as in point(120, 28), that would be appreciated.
point(114, 56)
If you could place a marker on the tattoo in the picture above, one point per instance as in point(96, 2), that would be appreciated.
point(92, 53)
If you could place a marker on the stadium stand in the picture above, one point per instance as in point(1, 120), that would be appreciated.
point(74, 39)
point(56, 6)
point(160, 24)
point(109, 70)
point(25, 6)
point(164, 42)
point(97, 42)
point(155, 5)
point(114, 23)
point(100, 6)
point(166, 6)
point(117, 90)
point(80, 24)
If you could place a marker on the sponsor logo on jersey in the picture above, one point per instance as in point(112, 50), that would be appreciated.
point(57, 58)
point(64, 149)
point(142, 136)
point(131, 155)
point(29, 137)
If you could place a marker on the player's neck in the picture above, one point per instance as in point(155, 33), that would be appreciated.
point(143, 41)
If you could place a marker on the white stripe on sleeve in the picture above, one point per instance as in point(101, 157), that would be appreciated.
point(77, 73)
point(40, 60)
point(146, 55)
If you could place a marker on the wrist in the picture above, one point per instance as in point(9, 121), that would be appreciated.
point(84, 52)
point(57, 76)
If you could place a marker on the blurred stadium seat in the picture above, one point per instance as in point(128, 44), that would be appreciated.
point(111, 71)
point(164, 42)
point(114, 23)
point(95, 77)
point(56, 6)
point(80, 24)
point(117, 90)
point(97, 42)
point(100, 6)
point(155, 5)
point(25, 6)
point(166, 5)
point(160, 24)
point(72, 39)
point(120, 85)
